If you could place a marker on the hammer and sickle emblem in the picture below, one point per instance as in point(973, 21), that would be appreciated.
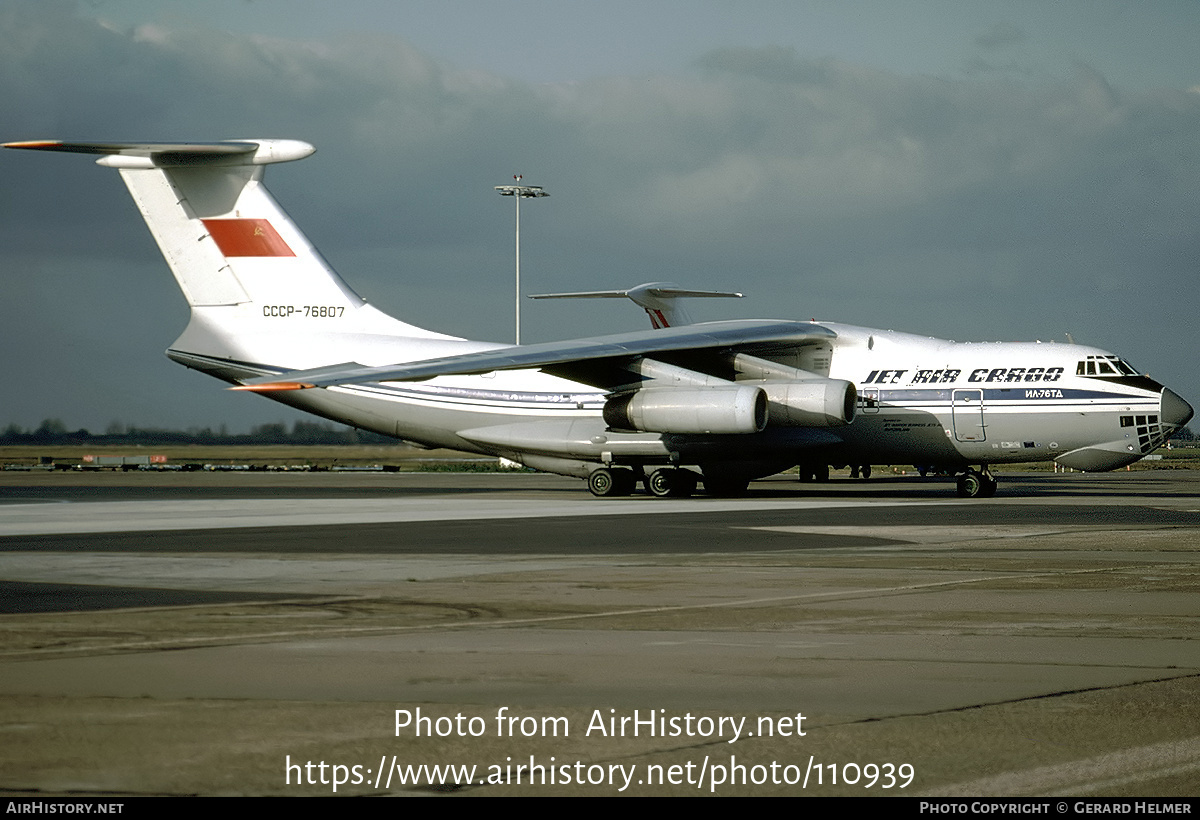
point(258, 231)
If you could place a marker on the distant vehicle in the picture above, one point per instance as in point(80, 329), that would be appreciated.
point(126, 463)
point(719, 402)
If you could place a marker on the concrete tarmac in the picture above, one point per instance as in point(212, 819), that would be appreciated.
point(265, 634)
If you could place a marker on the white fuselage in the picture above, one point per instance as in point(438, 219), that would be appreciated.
point(921, 401)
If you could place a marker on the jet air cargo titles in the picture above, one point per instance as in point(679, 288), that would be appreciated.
point(951, 375)
point(718, 403)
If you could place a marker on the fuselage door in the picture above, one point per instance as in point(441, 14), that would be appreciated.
point(868, 400)
point(967, 413)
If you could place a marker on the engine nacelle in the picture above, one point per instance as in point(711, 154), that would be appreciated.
point(815, 403)
point(717, 410)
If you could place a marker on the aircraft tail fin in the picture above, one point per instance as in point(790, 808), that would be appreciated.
point(224, 237)
point(255, 284)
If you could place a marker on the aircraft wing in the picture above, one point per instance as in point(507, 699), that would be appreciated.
point(589, 360)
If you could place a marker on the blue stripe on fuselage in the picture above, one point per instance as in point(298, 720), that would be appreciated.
point(1006, 394)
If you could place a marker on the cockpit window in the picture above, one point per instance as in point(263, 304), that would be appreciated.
point(1104, 366)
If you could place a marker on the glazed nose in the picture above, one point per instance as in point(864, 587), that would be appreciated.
point(1174, 410)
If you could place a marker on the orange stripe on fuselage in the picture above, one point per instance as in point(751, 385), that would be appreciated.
point(247, 237)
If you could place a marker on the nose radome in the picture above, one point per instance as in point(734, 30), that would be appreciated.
point(1174, 409)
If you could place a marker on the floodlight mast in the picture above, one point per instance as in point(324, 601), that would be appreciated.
point(519, 192)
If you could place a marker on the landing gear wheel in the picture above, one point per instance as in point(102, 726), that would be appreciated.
point(667, 482)
point(601, 482)
point(972, 484)
point(610, 482)
point(660, 483)
point(864, 471)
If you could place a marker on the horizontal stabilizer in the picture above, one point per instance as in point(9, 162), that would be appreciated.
point(648, 290)
point(175, 154)
point(656, 298)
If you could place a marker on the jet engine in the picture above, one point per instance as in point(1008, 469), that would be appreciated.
point(715, 410)
point(799, 398)
point(813, 403)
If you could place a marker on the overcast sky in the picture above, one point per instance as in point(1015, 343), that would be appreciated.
point(977, 171)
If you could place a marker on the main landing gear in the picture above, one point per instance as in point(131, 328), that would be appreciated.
point(976, 484)
point(665, 482)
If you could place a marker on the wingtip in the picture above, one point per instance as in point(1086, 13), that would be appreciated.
point(272, 387)
point(32, 144)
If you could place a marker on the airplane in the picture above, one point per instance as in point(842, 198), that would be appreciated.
point(719, 403)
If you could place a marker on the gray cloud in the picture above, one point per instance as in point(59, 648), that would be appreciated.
point(967, 209)
point(1000, 35)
